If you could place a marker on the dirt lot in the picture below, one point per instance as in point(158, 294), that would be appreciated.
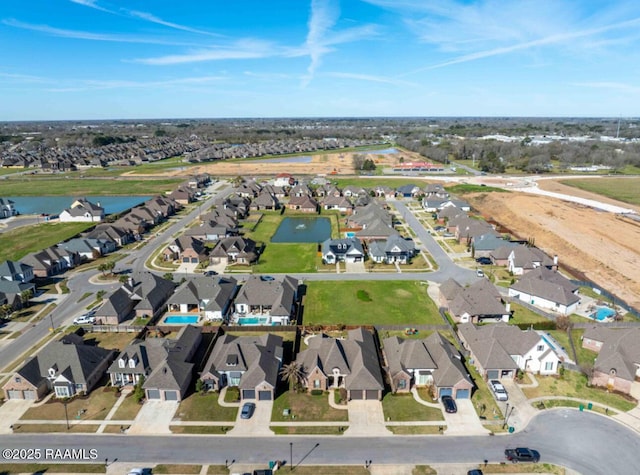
point(604, 247)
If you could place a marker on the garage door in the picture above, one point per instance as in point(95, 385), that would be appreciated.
point(29, 394)
point(357, 394)
point(194, 260)
point(171, 395)
point(492, 374)
point(371, 394)
point(248, 394)
point(153, 394)
point(446, 392)
point(463, 394)
point(264, 395)
point(15, 394)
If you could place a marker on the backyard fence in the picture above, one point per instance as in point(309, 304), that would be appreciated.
point(609, 296)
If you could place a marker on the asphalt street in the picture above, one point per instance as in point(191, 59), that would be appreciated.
point(585, 442)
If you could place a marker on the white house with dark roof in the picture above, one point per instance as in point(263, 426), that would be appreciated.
point(268, 300)
point(391, 250)
point(252, 363)
point(523, 259)
point(82, 210)
point(210, 297)
point(16, 271)
point(342, 250)
point(6, 208)
point(547, 289)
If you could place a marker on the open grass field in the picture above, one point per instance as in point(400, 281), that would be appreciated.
point(19, 242)
point(283, 258)
point(48, 186)
point(306, 408)
point(306, 430)
point(205, 407)
point(369, 303)
point(622, 189)
point(402, 407)
point(49, 428)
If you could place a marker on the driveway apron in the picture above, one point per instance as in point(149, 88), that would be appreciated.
point(257, 425)
point(366, 418)
point(10, 412)
point(520, 410)
point(465, 421)
point(154, 418)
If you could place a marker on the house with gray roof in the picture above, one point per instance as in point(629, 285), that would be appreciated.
point(210, 231)
point(116, 307)
point(188, 249)
point(394, 249)
point(303, 203)
point(485, 244)
point(148, 292)
point(350, 363)
point(500, 255)
point(234, 250)
point(547, 289)
point(16, 271)
point(111, 232)
point(523, 259)
point(250, 362)
point(7, 209)
point(166, 364)
point(429, 362)
point(89, 248)
point(342, 250)
point(617, 365)
point(498, 351)
point(265, 200)
point(12, 291)
point(267, 300)
point(82, 210)
point(479, 302)
point(52, 260)
point(67, 367)
point(210, 297)
point(339, 203)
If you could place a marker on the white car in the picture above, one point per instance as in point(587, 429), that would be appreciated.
point(84, 320)
point(498, 390)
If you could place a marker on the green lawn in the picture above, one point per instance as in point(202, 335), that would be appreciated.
point(95, 407)
point(369, 303)
point(128, 410)
point(6, 468)
point(280, 258)
point(205, 407)
point(305, 407)
point(622, 189)
point(307, 430)
point(585, 356)
point(19, 242)
point(41, 186)
point(265, 228)
point(524, 315)
point(402, 407)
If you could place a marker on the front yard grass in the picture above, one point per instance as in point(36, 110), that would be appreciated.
point(388, 303)
point(280, 258)
point(402, 407)
point(128, 410)
point(46, 428)
point(205, 407)
point(176, 468)
point(96, 406)
point(6, 468)
point(203, 430)
point(19, 242)
point(549, 403)
point(524, 315)
point(414, 430)
point(306, 430)
point(524, 468)
point(574, 384)
point(331, 470)
point(109, 340)
point(303, 407)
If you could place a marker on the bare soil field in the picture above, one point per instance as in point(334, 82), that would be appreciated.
point(601, 245)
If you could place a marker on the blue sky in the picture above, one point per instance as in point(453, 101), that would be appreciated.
point(109, 59)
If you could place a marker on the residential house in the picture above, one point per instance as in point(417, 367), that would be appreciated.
point(249, 189)
point(435, 190)
point(6, 208)
point(115, 308)
point(339, 203)
point(353, 191)
point(375, 230)
point(547, 289)
point(523, 259)
point(342, 250)
point(500, 350)
point(385, 192)
point(163, 206)
point(394, 249)
point(252, 363)
point(111, 232)
point(273, 301)
point(12, 290)
point(52, 260)
point(303, 204)
point(209, 231)
point(67, 367)
point(351, 363)
point(234, 250)
point(82, 210)
point(429, 362)
point(182, 196)
point(88, 248)
point(467, 229)
point(265, 201)
point(211, 297)
point(284, 180)
point(617, 365)
point(480, 302)
point(409, 191)
point(485, 244)
point(166, 364)
point(300, 190)
point(16, 271)
point(187, 249)
point(148, 292)
point(500, 255)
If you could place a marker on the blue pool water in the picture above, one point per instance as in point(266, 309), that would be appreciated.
point(253, 321)
point(603, 313)
point(181, 319)
point(548, 342)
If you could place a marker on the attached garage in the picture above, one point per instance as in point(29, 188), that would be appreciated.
point(15, 394)
point(153, 394)
point(194, 260)
point(492, 373)
point(264, 395)
point(248, 394)
point(371, 394)
point(171, 395)
point(185, 260)
point(446, 392)
point(463, 394)
point(29, 394)
point(356, 394)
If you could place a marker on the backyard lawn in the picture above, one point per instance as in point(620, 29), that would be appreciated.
point(304, 407)
point(402, 407)
point(369, 303)
point(584, 355)
point(524, 315)
point(109, 340)
point(574, 384)
point(19, 242)
point(205, 407)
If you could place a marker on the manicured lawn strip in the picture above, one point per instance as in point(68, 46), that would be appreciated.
point(232, 394)
point(32, 186)
point(329, 469)
point(414, 430)
point(549, 403)
point(306, 408)
point(217, 430)
point(585, 356)
point(574, 385)
point(523, 468)
point(463, 188)
point(621, 189)
point(96, 407)
point(218, 470)
point(392, 303)
point(176, 468)
point(524, 315)
point(52, 468)
point(482, 398)
point(205, 407)
point(19, 242)
point(306, 430)
point(402, 407)
point(280, 258)
point(128, 410)
point(373, 182)
point(46, 428)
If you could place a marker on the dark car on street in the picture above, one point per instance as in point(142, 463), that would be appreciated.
point(449, 404)
point(522, 454)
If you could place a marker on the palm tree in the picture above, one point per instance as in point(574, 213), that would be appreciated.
point(25, 295)
point(293, 373)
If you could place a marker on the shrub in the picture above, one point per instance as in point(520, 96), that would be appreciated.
point(317, 392)
point(363, 295)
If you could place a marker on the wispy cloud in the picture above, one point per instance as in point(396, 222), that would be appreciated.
point(154, 19)
point(92, 4)
point(21, 77)
point(324, 14)
point(91, 84)
point(86, 35)
point(242, 49)
point(370, 78)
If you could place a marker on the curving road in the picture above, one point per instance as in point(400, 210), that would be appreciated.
point(585, 442)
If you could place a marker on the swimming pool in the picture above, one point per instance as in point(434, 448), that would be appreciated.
point(602, 313)
point(254, 321)
point(548, 342)
point(181, 319)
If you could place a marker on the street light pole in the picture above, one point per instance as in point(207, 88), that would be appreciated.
point(66, 415)
point(290, 456)
point(51, 318)
point(506, 416)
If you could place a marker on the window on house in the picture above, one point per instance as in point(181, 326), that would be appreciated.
point(402, 384)
point(548, 366)
point(540, 347)
point(316, 383)
point(17, 379)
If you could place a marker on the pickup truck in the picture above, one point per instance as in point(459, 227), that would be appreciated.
point(522, 454)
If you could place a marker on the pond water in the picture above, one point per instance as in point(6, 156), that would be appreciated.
point(56, 204)
point(303, 230)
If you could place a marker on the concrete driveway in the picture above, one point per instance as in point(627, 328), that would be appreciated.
point(520, 411)
point(11, 411)
point(154, 418)
point(258, 425)
point(465, 421)
point(366, 418)
point(354, 267)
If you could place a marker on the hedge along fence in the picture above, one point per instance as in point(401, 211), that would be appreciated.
point(545, 325)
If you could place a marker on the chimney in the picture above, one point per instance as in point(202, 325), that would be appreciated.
point(508, 307)
point(130, 281)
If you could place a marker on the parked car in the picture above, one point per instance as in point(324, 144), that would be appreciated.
point(499, 390)
point(449, 404)
point(474, 472)
point(479, 272)
point(485, 261)
point(84, 320)
point(247, 410)
point(210, 273)
point(140, 471)
point(522, 454)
